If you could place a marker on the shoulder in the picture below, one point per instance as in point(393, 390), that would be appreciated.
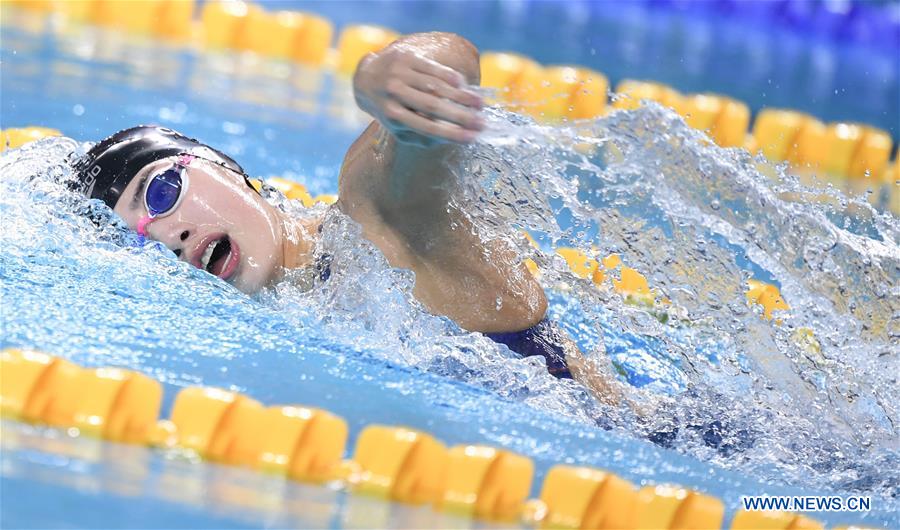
point(362, 170)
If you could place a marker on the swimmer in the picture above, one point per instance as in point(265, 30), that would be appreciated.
point(395, 182)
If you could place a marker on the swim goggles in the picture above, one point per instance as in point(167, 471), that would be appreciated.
point(164, 191)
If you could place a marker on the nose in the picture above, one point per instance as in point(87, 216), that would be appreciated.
point(172, 238)
point(183, 237)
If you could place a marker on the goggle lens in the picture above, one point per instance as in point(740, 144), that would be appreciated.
point(163, 191)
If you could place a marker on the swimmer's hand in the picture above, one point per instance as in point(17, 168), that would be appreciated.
point(420, 100)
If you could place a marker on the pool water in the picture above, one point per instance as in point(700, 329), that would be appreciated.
point(760, 52)
point(697, 220)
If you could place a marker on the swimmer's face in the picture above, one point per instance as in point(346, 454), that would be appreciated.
point(220, 224)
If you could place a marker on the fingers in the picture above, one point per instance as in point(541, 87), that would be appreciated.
point(434, 69)
point(430, 99)
point(440, 129)
point(438, 108)
point(437, 87)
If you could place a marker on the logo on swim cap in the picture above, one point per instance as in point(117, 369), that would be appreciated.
point(107, 168)
point(91, 179)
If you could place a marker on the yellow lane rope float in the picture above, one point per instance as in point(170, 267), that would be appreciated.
point(853, 156)
point(120, 404)
point(308, 444)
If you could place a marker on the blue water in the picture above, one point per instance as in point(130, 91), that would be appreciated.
point(87, 295)
point(797, 54)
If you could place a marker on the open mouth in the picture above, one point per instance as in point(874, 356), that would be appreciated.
point(220, 256)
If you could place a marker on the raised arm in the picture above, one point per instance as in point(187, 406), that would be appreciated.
point(416, 88)
point(397, 183)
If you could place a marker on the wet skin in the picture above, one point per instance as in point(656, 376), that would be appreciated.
point(218, 206)
point(395, 182)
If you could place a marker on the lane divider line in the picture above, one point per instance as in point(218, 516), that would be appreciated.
point(305, 444)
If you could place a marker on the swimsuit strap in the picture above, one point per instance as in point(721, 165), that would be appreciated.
point(323, 266)
point(544, 339)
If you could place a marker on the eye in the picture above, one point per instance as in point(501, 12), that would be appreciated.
point(163, 192)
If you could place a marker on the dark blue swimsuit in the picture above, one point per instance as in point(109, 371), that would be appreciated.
point(544, 339)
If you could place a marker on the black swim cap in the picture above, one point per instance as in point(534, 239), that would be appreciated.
point(105, 171)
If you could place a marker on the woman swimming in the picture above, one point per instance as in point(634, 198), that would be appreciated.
point(395, 182)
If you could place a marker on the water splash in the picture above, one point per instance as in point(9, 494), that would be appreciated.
point(709, 376)
point(698, 221)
